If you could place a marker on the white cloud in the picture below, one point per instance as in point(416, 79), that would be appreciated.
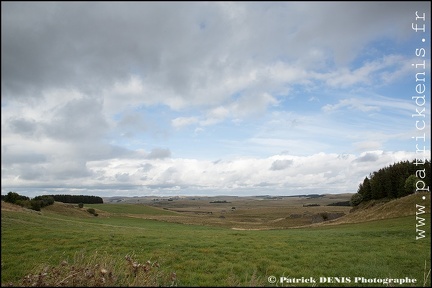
point(351, 104)
point(280, 164)
point(368, 145)
point(284, 173)
point(215, 115)
point(387, 69)
point(180, 122)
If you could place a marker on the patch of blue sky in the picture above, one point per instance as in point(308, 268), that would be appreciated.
point(301, 101)
point(193, 140)
point(385, 46)
point(403, 89)
point(378, 49)
point(211, 142)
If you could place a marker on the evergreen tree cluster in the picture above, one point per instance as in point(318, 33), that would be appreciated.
point(85, 199)
point(397, 180)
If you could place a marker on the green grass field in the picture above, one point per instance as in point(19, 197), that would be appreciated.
point(215, 256)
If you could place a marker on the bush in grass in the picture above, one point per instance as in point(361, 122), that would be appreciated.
point(81, 205)
point(13, 197)
point(92, 211)
point(23, 203)
point(324, 216)
point(45, 200)
point(35, 205)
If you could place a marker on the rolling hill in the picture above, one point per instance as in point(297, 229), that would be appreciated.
point(384, 209)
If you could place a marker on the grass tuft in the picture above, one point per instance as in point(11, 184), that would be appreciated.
point(426, 275)
point(98, 271)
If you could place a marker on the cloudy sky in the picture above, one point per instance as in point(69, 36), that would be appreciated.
point(196, 98)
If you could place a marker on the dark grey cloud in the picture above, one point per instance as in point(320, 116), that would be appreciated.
point(265, 184)
point(146, 167)
point(70, 169)
point(184, 46)
point(33, 173)
point(97, 150)
point(22, 126)
point(132, 123)
point(281, 164)
point(86, 45)
point(9, 158)
point(368, 157)
point(77, 120)
point(159, 153)
point(38, 168)
point(122, 177)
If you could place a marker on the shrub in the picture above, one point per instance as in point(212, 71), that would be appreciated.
point(81, 205)
point(342, 203)
point(324, 216)
point(36, 205)
point(13, 197)
point(45, 200)
point(23, 203)
point(92, 211)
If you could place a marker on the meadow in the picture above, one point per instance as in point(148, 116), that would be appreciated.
point(213, 255)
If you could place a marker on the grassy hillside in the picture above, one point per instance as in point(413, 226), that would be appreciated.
point(210, 256)
point(381, 209)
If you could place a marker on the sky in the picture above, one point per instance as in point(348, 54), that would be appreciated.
point(210, 98)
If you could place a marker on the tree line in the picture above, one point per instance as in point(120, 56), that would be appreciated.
point(36, 203)
point(39, 202)
point(86, 199)
point(394, 181)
